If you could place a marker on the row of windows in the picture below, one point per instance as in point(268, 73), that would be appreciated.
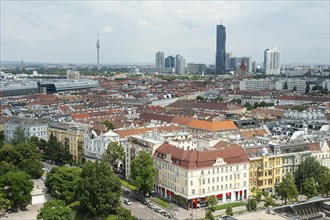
point(222, 169)
point(217, 188)
point(223, 178)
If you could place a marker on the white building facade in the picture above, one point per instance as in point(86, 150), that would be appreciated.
point(189, 177)
point(31, 127)
point(256, 84)
point(95, 145)
point(272, 61)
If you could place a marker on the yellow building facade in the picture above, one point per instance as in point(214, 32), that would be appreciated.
point(265, 169)
point(71, 136)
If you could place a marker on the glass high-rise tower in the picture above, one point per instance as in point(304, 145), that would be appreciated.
point(220, 60)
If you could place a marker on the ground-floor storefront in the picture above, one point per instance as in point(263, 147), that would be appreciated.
point(200, 201)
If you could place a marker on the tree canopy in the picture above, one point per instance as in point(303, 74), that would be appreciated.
point(24, 156)
point(143, 172)
point(124, 214)
point(309, 188)
point(287, 190)
point(108, 124)
point(18, 136)
point(309, 168)
point(113, 153)
point(62, 183)
point(98, 189)
point(17, 187)
point(55, 210)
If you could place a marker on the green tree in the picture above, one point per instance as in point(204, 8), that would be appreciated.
point(6, 167)
point(248, 106)
point(29, 159)
point(285, 85)
point(251, 204)
point(17, 186)
point(124, 214)
point(212, 201)
point(287, 190)
point(218, 99)
point(62, 183)
point(309, 168)
point(2, 138)
point(269, 201)
point(324, 184)
point(209, 215)
point(309, 188)
point(9, 154)
point(115, 152)
point(55, 151)
point(238, 101)
point(55, 210)
point(18, 136)
point(200, 98)
point(294, 89)
point(307, 89)
point(108, 125)
point(143, 172)
point(229, 211)
point(98, 189)
point(4, 203)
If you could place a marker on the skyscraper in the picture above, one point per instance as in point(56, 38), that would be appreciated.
point(220, 60)
point(98, 51)
point(160, 59)
point(272, 62)
point(180, 64)
point(170, 62)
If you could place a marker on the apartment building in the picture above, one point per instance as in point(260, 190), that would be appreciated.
point(96, 143)
point(149, 142)
point(188, 177)
point(32, 127)
point(321, 151)
point(265, 166)
point(70, 135)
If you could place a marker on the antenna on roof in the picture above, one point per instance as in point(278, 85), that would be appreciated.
point(221, 21)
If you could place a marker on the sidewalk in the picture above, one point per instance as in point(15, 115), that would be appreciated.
point(200, 213)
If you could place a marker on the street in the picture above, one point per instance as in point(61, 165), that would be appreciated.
point(139, 210)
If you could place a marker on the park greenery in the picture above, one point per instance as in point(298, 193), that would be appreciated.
point(98, 189)
point(143, 172)
point(55, 210)
point(287, 189)
point(62, 183)
point(311, 170)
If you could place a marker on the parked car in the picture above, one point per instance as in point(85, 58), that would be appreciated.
point(144, 201)
point(127, 202)
point(165, 213)
point(126, 191)
point(150, 205)
point(157, 209)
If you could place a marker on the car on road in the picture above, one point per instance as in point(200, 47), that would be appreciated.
point(157, 209)
point(127, 202)
point(150, 205)
point(126, 191)
point(165, 213)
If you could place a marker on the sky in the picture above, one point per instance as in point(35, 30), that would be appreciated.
point(133, 31)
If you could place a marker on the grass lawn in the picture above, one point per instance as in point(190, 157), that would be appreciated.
point(160, 202)
point(233, 205)
point(128, 185)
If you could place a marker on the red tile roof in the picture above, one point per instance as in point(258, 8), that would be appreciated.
point(199, 159)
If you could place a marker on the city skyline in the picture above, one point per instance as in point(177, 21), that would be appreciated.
point(130, 32)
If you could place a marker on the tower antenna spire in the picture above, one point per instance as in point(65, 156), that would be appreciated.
point(98, 51)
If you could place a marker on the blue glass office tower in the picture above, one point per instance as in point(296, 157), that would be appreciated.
point(220, 59)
